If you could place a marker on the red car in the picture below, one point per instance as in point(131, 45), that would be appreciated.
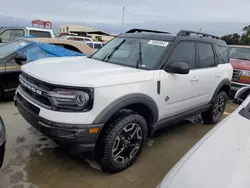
point(240, 60)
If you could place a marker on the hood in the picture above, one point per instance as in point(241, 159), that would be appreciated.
point(84, 72)
point(240, 64)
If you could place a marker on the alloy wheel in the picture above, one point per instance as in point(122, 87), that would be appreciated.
point(127, 143)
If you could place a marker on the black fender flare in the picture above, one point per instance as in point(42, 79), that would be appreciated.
point(124, 101)
point(225, 82)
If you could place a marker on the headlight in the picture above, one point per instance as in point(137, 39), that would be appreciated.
point(245, 73)
point(69, 99)
point(245, 76)
point(2, 132)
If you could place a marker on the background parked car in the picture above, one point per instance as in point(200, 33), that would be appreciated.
point(221, 158)
point(95, 45)
point(2, 141)
point(77, 38)
point(8, 34)
point(19, 52)
point(240, 60)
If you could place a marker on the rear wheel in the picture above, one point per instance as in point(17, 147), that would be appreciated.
point(122, 142)
point(215, 112)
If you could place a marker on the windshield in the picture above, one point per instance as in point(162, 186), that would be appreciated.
point(9, 48)
point(239, 53)
point(126, 52)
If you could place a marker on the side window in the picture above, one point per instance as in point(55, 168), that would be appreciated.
point(205, 55)
point(90, 45)
point(40, 34)
point(222, 54)
point(11, 34)
point(34, 53)
point(97, 46)
point(184, 52)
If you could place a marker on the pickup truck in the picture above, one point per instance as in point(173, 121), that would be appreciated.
point(8, 34)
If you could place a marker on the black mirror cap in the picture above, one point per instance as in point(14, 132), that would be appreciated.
point(20, 58)
point(1, 41)
point(178, 68)
point(241, 95)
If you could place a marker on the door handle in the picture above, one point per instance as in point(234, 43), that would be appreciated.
point(194, 79)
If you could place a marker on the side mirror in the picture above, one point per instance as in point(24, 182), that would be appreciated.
point(178, 68)
point(20, 58)
point(241, 95)
point(1, 41)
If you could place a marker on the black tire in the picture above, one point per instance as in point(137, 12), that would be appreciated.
point(118, 129)
point(2, 151)
point(215, 112)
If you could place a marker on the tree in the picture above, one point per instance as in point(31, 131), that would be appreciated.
point(232, 38)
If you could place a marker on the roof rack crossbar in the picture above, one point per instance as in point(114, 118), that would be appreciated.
point(188, 33)
point(146, 30)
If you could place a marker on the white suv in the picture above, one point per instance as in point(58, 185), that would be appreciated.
point(113, 101)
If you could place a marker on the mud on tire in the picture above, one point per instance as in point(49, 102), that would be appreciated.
point(124, 132)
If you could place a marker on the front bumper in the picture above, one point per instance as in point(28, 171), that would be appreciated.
point(75, 138)
point(235, 86)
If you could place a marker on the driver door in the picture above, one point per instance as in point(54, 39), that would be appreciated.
point(180, 92)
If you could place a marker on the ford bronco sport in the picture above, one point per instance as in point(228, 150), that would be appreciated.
point(137, 83)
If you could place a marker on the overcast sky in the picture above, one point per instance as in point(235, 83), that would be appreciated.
point(109, 11)
point(137, 11)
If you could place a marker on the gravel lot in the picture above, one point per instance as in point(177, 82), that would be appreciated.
point(32, 160)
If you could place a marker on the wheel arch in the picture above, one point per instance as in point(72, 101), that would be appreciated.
point(225, 85)
point(140, 103)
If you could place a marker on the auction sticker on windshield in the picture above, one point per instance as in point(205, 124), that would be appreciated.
point(158, 43)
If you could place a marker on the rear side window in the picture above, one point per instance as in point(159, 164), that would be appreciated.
point(90, 45)
point(86, 39)
point(184, 52)
point(40, 34)
point(97, 46)
point(222, 54)
point(205, 55)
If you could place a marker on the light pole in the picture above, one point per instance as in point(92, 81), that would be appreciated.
point(123, 10)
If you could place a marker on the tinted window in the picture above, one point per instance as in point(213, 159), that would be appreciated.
point(184, 52)
point(75, 38)
point(11, 34)
point(222, 54)
point(40, 34)
point(205, 54)
point(97, 46)
point(90, 45)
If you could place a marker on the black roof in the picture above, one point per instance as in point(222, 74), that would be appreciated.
point(166, 36)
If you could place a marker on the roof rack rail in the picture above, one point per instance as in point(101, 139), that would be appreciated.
point(146, 30)
point(189, 33)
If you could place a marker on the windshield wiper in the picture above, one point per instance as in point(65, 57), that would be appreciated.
point(109, 55)
point(139, 62)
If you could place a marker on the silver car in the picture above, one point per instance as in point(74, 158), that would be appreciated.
point(2, 141)
point(221, 159)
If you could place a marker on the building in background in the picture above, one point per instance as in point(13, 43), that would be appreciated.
point(96, 35)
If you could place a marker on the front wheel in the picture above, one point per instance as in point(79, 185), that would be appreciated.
point(122, 142)
point(215, 112)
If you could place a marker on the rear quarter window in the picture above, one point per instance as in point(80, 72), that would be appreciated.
point(222, 54)
point(40, 34)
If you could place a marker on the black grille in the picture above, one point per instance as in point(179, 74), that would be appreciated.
point(44, 99)
point(236, 75)
point(33, 109)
